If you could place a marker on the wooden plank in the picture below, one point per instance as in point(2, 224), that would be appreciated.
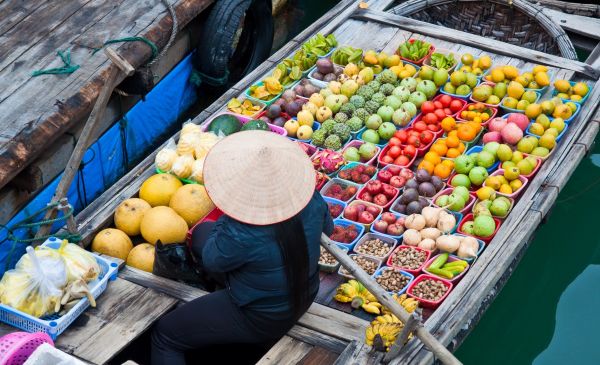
point(318, 356)
point(586, 26)
point(15, 11)
point(350, 351)
point(591, 10)
point(317, 339)
point(286, 351)
point(476, 41)
point(123, 312)
point(77, 93)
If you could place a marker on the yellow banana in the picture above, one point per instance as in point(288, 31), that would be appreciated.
point(369, 335)
point(371, 308)
point(387, 318)
point(342, 298)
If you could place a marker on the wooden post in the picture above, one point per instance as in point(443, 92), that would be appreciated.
point(413, 321)
point(119, 65)
point(440, 351)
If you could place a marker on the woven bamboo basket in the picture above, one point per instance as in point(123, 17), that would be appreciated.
point(516, 22)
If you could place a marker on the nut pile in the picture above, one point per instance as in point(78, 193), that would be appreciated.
point(326, 258)
point(392, 280)
point(409, 258)
point(367, 264)
point(430, 289)
point(374, 247)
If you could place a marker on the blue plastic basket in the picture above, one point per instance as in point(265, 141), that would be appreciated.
point(316, 126)
point(352, 164)
point(55, 324)
point(345, 223)
point(410, 276)
point(555, 92)
point(397, 215)
point(558, 138)
point(329, 200)
point(511, 110)
point(477, 149)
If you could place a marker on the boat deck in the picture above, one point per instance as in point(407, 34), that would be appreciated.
point(328, 333)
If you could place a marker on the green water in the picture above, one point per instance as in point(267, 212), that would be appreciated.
point(548, 311)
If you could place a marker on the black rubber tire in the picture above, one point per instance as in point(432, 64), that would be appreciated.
point(215, 55)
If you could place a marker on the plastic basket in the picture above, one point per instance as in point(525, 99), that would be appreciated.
point(341, 182)
point(266, 102)
point(332, 201)
point(373, 230)
point(512, 204)
point(331, 268)
point(469, 217)
point(418, 62)
point(462, 102)
point(384, 151)
point(392, 242)
point(448, 191)
point(55, 324)
point(515, 194)
point(212, 216)
point(357, 144)
point(315, 126)
point(353, 164)
point(366, 204)
point(477, 149)
point(479, 250)
point(370, 258)
point(512, 110)
point(318, 82)
point(390, 200)
point(17, 347)
point(424, 302)
point(486, 104)
point(254, 102)
point(410, 277)
point(491, 109)
point(450, 259)
point(445, 52)
point(345, 223)
point(557, 139)
point(311, 149)
point(583, 100)
point(404, 247)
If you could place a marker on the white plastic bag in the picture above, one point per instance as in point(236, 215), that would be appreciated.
point(36, 284)
point(80, 264)
point(165, 157)
point(197, 171)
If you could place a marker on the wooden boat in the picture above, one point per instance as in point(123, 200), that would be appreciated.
point(329, 333)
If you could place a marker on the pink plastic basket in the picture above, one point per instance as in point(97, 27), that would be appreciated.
point(16, 347)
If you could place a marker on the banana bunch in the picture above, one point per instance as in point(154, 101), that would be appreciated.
point(355, 293)
point(382, 335)
point(386, 318)
point(410, 304)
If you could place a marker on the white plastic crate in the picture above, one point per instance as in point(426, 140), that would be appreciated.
point(55, 324)
point(46, 354)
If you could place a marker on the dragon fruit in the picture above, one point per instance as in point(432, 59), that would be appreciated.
point(328, 161)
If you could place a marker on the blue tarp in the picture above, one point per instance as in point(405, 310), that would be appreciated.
point(108, 159)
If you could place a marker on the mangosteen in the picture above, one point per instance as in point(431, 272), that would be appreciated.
point(289, 95)
point(427, 189)
point(317, 75)
point(273, 111)
point(413, 208)
point(330, 77)
point(279, 121)
point(424, 202)
point(324, 65)
point(411, 184)
point(292, 108)
point(310, 89)
point(338, 71)
point(437, 182)
point(265, 119)
point(422, 175)
point(301, 102)
point(299, 90)
point(401, 208)
point(280, 102)
point(409, 195)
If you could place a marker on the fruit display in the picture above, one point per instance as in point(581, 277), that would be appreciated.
point(392, 280)
point(519, 98)
point(344, 234)
point(377, 192)
point(441, 61)
point(446, 267)
point(476, 66)
point(454, 199)
point(346, 54)
point(355, 293)
point(287, 75)
point(461, 83)
point(269, 88)
point(326, 71)
point(408, 258)
point(499, 206)
point(358, 173)
point(444, 105)
point(302, 59)
point(415, 137)
point(374, 247)
point(339, 190)
point(429, 289)
point(246, 107)
point(480, 223)
point(488, 93)
point(395, 175)
point(477, 112)
point(368, 264)
point(543, 125)
point(414, 50)
point(390, 224)
point(571, 91)
point(328, 161)
point(335, 210)
point(361, 212)
point(320, 45)
point(506, 182)
point(468, 132)
point(423, 230)
point(366, 151)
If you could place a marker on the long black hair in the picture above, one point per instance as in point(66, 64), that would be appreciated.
point(294, 251)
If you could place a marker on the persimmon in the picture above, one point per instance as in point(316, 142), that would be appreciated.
point(442, 171)
point(453, 153)
point(448, 124)
point(466, 132)
point(452, 140)
point(432, 157)
point(427, 166)
point(439, 148)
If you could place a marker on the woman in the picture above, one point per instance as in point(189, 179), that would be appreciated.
point(263, 252)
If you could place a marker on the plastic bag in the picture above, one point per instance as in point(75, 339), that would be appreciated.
point(197, 171)
point(80, 264)
point(174, 261)
point(187, 143)
point(190, 128)
point(36, 284)
point(165, 157)
point(182, 167)
point(207, 141)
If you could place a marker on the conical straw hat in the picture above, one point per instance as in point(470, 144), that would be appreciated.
point(259, 177)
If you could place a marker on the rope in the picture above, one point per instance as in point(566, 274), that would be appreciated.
point(174, 28)
point(197, 78)
point(148, 42)
point(68, 68)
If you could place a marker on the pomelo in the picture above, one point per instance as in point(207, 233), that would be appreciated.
point(158, 189)
point(192, 203)
point(129, 214)
point(164, 224)
point(112, 242)
point(142, 257)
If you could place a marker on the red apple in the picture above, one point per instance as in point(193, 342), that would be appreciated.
point(395, 229)
point(389, 191)
point(395, 170)
point(351, 213)
point(366, 218)
point(366, 196)
point(406, 173)
point(380, 226)
point(373, 210)
point(359, 208)
point(397, 181)
point(374, 187)
point(400, 221)
point(388, 217)
point(380, 199)
point(384, 175)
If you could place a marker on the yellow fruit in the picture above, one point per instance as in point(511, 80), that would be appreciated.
point(547, 141)
point(510, 102)
point(158, 189)
point(485, 62)
point(533, 110)
point(528, 76)
point(397, 70)
point(129, 214)
point(467, 59)
point(581, 89)
point(572, 105)
point(112, 242)
point(486, 193)
point(542, 79)
point(305, 117)
point(515, 184)
point(410, 69)
point(515, 90)
point(510, 72)
point(522, 104)
point(497, 75)
point(502, 179)
point(530, 95)
point(393, 60)
point(521, 80)
point(304, 132)
point(192, 203)
point(493, 182)
point(562, 86)
point(576, 97)
point(163, 224)
point(552, 131)
point(537, 129)
point(543, 120)
point(512, 173)
point(505, 189)
point(558, 124)
point(547, 107)
point(142, 257)
point(562, 111)
point(291, 127)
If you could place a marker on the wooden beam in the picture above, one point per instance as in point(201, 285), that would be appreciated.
point(488, 44)
point(586, 26)
point(590, 10)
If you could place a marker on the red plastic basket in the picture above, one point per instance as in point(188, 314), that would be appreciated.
point(469, 217)
point(405, 247)
point(424, 302)
point(210, 217)
point(384, 151)
point(391, 200)
point(420, 61)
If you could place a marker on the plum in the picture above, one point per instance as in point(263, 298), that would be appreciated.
point(325, 66)
point(317, 75)
point(413, 208)
point(437, 182)
point(410, 195)
point(427, 189)
point(423, 176)
point(279, 121)
point(411, 184)
point(329, 77)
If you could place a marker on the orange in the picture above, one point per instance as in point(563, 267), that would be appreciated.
point(442, 171)
point(427, 166)
point(452, 140)
point(466, 132)
point(448, 163)
point(453, 153)
point(448, 124)
point(461, 147)
point(439, 148)
point(453, 133)
point(432, 157)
